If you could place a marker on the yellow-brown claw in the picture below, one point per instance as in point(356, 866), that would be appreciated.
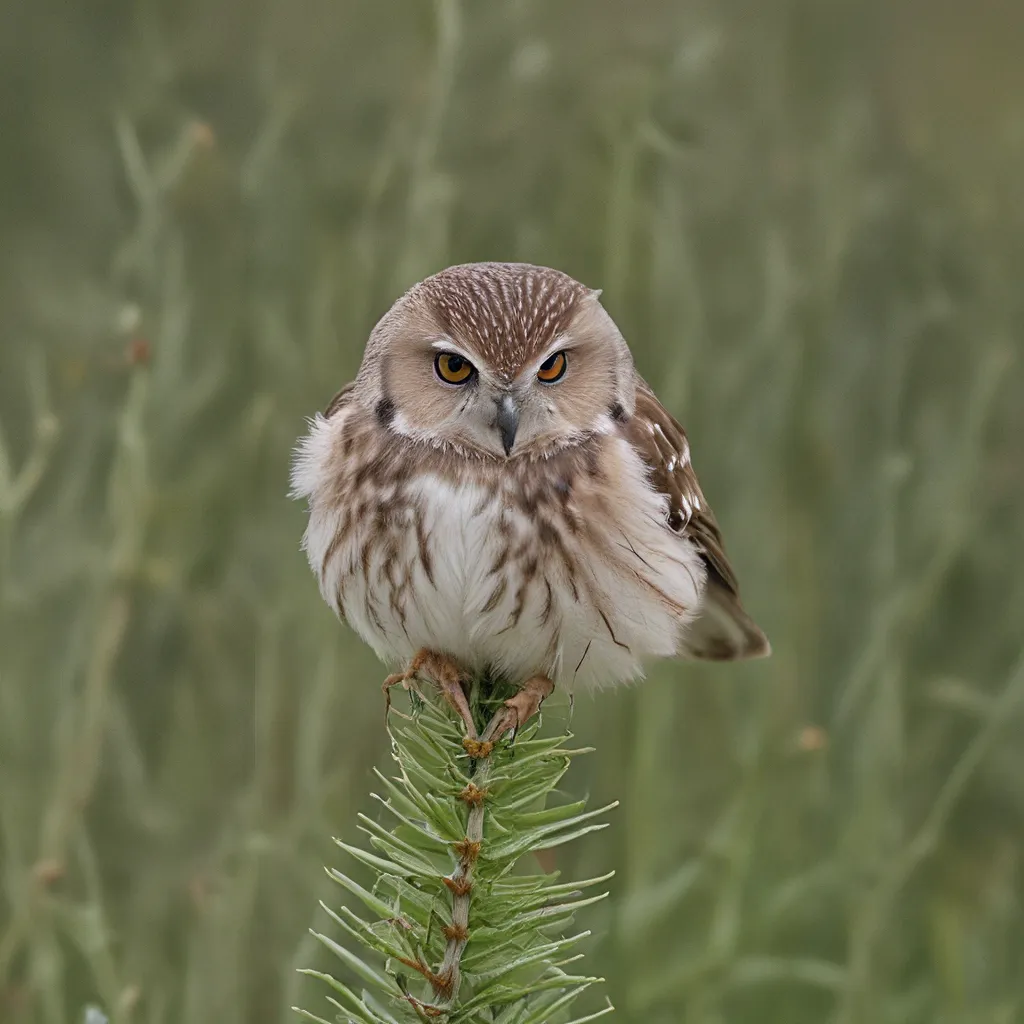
point(395, 679)
point(442, 671)
point(525, 704)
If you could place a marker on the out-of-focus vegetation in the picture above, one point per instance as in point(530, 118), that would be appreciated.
point(807, 218)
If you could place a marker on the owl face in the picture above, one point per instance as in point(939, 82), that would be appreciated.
point(500, 361)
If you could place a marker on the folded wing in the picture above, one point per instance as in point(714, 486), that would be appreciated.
point(723, 631)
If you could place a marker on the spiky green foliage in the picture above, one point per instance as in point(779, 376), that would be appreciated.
point(457, 828)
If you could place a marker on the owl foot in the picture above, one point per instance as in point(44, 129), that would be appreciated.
point(404, 679)
point(442, 671)
point(523, 706)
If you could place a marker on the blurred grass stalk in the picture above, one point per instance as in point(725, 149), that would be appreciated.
point(39, 926)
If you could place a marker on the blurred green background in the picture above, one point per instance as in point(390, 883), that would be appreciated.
point(806, 216)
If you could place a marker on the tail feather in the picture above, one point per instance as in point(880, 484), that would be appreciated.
point(723, 631)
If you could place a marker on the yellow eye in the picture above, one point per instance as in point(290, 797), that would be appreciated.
point(553, 368)
point(452, 368)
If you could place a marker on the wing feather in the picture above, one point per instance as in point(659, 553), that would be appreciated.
point(723, 631)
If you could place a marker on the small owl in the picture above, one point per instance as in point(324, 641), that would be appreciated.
point(500, 492)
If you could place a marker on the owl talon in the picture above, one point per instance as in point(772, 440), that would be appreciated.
point(456, 697)
point(444, 673)
point(524, 705)
point(408, 681)
point(402, 679)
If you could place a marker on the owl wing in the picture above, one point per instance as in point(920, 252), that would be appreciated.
point(723, 631)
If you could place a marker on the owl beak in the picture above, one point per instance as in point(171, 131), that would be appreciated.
point(507, 422)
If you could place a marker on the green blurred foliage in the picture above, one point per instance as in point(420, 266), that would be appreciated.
point(806, 215)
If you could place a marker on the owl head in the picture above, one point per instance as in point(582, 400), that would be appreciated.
point(498, 360)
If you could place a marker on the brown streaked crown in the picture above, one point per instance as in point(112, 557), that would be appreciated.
point(507, 312)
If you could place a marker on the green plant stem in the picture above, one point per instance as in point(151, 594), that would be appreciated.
point(463, 875)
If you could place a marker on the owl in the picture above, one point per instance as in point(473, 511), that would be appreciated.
point(500, 492)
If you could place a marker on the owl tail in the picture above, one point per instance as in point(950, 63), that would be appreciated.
point(723, 631)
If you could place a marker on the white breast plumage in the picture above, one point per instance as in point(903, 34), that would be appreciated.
point(463, 569)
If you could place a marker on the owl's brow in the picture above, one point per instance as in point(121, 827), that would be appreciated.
point(560, 343)
point(446, 344)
